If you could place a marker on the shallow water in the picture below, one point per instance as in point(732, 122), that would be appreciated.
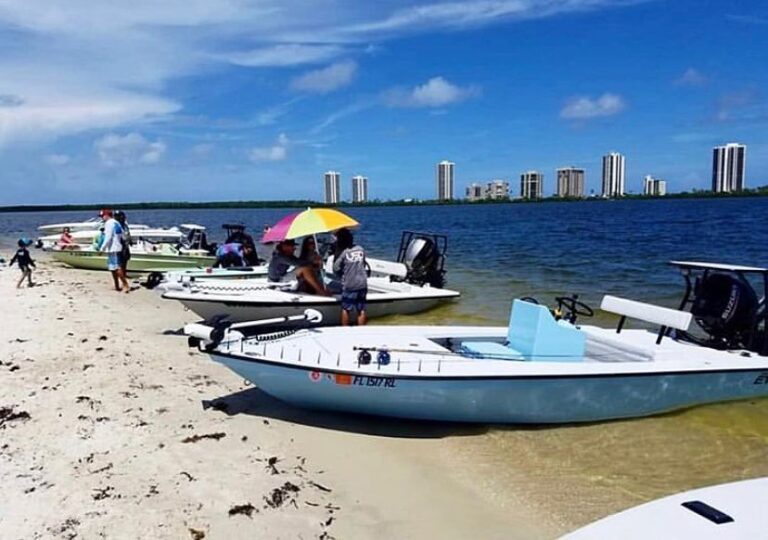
point(497, 252)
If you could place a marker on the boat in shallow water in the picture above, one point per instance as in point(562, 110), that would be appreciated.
point(145, 258)
point(723, 512)
point(543, 368)
point(259, 299)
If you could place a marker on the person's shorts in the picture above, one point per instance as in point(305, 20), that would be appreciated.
point(354, 300)
point(123, 257)
point(113, 261)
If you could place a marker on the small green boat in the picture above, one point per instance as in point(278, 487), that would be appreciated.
point(161, 258)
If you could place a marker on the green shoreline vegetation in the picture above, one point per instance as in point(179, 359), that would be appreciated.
point(761, 191)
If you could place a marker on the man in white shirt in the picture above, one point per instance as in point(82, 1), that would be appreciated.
point(112, 245)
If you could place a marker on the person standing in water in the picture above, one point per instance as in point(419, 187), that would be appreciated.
point(350, 265)
point(112, 245)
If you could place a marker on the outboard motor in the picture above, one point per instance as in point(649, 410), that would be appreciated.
point(424, 257)
point(725, 306)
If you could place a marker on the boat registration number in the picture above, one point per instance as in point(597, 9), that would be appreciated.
point(355, 380)
point(762, 378)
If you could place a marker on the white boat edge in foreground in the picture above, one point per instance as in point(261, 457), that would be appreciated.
point(722, 512)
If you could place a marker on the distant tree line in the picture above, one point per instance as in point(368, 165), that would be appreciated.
point(185, 205)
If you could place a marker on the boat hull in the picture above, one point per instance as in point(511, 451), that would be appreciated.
point(138, 263)
point(234, 311)
point(549, 399)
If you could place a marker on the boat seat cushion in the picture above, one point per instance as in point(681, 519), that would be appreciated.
point(489, 349)
point(533, 334)
point(606, 346)
point(538, 336)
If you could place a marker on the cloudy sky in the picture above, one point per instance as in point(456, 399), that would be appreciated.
point(107, 100)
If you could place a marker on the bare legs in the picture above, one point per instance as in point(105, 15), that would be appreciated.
point(306, 274)
point(362, 318)
point(25, 274)
point(121, 283)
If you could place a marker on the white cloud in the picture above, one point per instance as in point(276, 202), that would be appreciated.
point(437, 92)
point(84, 65)
point(276, 152)
point(327, 79)
point(691, 77)
point(57, 159)
point(584, 107)
point(291, 54)
point(127, 150)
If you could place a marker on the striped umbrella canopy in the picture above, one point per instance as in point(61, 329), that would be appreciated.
point(310, 221)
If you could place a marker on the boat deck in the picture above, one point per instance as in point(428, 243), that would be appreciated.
point(430, 352)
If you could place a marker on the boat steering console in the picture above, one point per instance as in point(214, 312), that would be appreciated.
point(569, 308)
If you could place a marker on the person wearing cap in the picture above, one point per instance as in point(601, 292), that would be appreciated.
point(285, 266)
point(112, 245)
point(25, 262)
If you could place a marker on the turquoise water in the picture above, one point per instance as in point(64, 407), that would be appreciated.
point(573, 474)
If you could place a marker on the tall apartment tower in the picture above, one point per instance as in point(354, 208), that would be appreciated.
point(654, 186)
point(359, 189)
point(729, 167)
point(570, 182)
point(531, 185)
point(332, 187)
point(445, 171)
point(613, 175)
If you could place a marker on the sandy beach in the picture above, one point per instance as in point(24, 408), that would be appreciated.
point(103, 434)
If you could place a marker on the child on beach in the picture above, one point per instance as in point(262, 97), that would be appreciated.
point(24, 260)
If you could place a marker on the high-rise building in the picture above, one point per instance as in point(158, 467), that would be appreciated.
point(445, 172)
point(613, 175)
point(474, 191)
point(531, 185)
point(497, 190)
point(729, 168)
point(570, 182)
point(332, 187)
point(359, 189)
point(654, 187)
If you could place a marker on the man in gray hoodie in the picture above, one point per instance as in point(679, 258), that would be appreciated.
point(349, 263)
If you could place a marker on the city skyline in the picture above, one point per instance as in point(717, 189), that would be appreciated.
point(206, 101)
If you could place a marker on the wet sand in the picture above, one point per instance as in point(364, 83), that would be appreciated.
point(103, 434)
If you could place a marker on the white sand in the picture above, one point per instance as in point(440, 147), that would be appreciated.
point(111, 400)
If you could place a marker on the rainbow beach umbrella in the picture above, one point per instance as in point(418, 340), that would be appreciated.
point(310, 221)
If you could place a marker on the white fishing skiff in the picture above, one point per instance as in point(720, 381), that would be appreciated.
point(258, 299)
point(538, 370)
point(145, 258)
point(732, 511)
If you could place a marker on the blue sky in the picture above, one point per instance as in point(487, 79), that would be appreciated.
point(235, 99)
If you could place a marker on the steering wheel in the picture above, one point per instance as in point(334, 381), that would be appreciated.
point(574, 307)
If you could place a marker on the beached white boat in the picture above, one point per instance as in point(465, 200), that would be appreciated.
point(145, 258)
point(538, 370)
point(92, 224)
point(724, 512)
point(178, 279)
point(420, 259)
point(85, 238)
point(259, 299)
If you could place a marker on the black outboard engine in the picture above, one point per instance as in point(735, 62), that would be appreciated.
point(726, 306)
point(424, 257)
